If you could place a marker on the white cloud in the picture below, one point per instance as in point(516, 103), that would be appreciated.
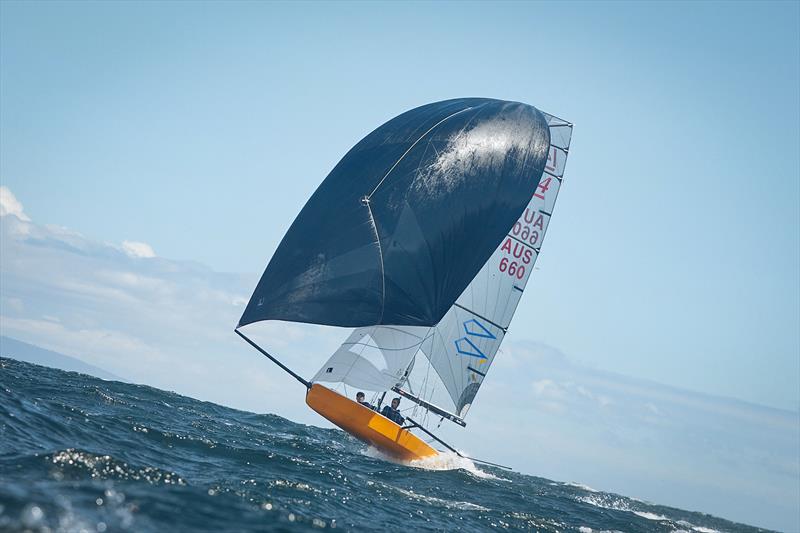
point(555, 396)
point(547, 388)
point(138, 249)
point(13, 304)
point(650, 406)
point(162, 322)
point(9, 205)
point(96, 346)
point(601, 399)
point(550, 396)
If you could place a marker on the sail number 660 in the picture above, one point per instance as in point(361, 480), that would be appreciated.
point(512, 268)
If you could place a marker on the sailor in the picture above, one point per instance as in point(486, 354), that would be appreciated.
point(360, 399)
point(392, 413)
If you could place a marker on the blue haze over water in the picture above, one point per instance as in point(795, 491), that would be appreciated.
point(80, 453)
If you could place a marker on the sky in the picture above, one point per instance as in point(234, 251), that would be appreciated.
point(153, 155)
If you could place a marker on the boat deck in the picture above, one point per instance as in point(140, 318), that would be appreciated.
point(367, 425)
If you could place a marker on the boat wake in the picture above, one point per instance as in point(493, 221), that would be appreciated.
point(445, 460)
point(450, 461)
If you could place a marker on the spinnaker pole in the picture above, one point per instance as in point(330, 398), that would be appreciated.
point(274, 360)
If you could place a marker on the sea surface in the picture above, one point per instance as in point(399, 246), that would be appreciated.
point(81, 454)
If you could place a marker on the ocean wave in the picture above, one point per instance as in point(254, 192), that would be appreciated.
point(78, 454)
point(581, 486)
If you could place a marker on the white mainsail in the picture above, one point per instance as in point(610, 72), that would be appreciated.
point(462, 347)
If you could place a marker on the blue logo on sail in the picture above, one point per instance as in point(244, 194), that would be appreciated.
point(465, 346)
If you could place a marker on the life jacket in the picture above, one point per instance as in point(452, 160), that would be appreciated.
point(393, 414)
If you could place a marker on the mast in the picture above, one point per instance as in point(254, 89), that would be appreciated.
point(273, 359)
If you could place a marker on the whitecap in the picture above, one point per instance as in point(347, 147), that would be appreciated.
point(451, 461)
point(580, 486)
point(441, 461)
point(650, 516)
point(619, 504)
point(463, 506)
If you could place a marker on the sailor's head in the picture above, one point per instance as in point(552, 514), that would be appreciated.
point(360, 397)
point(395, 403)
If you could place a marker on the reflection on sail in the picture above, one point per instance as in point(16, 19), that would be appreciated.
point(405, 220)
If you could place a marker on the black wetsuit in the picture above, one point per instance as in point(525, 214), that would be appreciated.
point(393, 415)
point(368, 405)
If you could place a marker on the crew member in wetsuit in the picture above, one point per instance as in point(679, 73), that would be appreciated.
point(360, 399)
point(392, 413)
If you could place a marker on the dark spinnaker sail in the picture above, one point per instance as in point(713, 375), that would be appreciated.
point(407, 218)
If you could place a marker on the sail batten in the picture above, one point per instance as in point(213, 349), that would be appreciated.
point(479, 316)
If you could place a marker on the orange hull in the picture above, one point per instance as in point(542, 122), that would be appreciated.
point(367, 425)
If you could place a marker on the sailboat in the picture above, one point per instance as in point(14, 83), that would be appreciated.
point(423, 239)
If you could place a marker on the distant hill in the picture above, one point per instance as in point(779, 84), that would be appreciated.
point(22, 351)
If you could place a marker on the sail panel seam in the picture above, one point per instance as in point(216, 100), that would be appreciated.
point(413, 145)
point(380, 347)
point(380, 254)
